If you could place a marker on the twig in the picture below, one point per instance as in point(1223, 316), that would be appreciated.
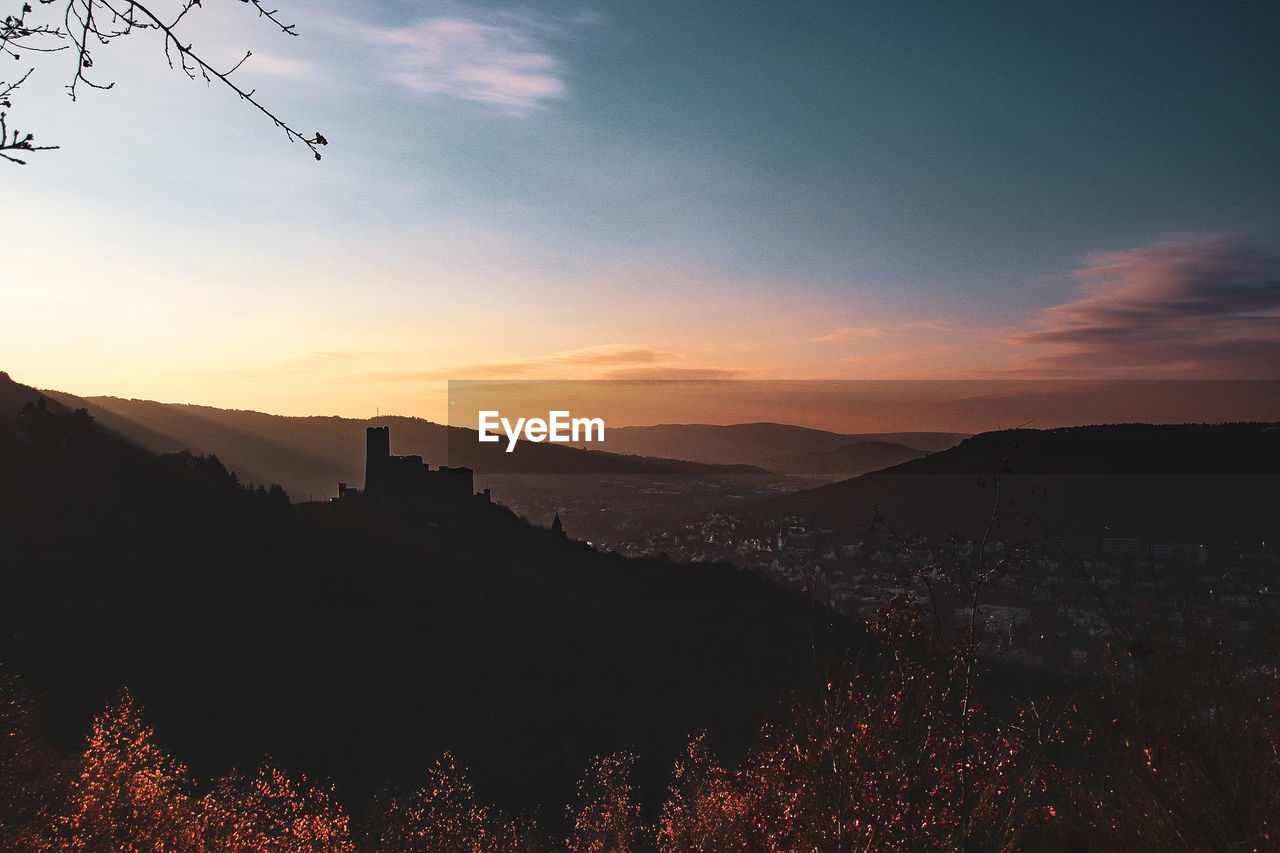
point(17, 143)
point(84, 22)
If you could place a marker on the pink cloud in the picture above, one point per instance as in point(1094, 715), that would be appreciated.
point(1206, 306)
point(498, 65)
point(850, 332)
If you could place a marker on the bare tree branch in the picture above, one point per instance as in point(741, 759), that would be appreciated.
point(88, 24)
point(17, 142)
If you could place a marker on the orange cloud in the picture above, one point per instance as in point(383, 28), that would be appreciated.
point(849, 332)
point(589, 363)
point(673, 373)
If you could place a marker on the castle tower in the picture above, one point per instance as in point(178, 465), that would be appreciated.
point(377, 457)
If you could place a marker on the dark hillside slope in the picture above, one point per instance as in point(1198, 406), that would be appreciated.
point(1175, 482)
point(359, 644)
point(309, 456)
point(13, 396)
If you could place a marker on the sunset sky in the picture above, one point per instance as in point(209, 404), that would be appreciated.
point(651, 190)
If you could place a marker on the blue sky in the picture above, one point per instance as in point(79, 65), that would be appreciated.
point(764, 190)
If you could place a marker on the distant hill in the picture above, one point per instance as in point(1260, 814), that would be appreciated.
point(309, 456)
point(847, 460)
point(1249, 448)
point(358, 643)
point(755, 443)
point(1173, 482)
point(13, 396)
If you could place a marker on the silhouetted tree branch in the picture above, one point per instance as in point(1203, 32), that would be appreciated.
point(85, 25)
point(16, 141)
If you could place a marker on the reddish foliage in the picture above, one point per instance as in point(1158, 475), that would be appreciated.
point(444, 816)
point(606, 818)
point(896, 756)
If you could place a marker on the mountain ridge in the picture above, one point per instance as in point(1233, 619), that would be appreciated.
point(309, 455)
point(1086, 481)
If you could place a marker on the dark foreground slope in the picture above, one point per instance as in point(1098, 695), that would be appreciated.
point(359, 643)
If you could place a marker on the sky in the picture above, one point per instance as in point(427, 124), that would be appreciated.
point(606, 190)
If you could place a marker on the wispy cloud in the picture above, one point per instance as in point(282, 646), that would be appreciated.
point(358, 367)
point(673, 373)
point(280, 66)
point(588, 363)
point(1205, 306)
point(327, 358)
point(502, 65)
point(852, 332)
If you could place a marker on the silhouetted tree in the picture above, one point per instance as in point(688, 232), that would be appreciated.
point(606, 818)
point(273, 812)
point(444, 816)
point(130, 794)
point(77, 28)
point(708, 809)
point(33, 778)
